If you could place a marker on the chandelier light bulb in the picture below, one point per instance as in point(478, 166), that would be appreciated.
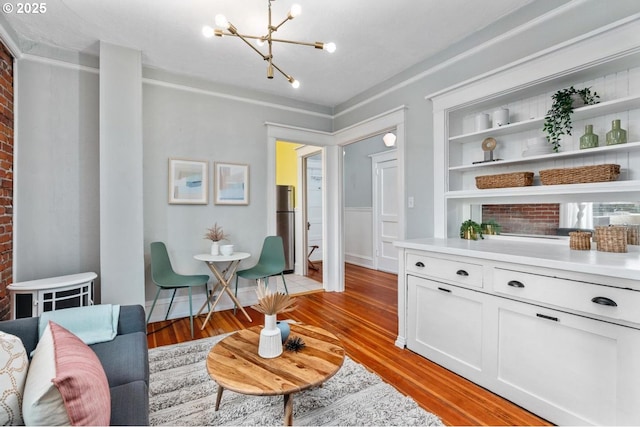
point(389, 139)
point(260, 42)
point(221, 21)
point(207, 31)
point(330, 47)
point(296, 10)
point(295, 84)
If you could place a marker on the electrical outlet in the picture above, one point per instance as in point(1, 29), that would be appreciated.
point(410, 201)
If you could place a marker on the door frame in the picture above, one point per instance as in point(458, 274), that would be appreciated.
point(332, 172)
point(302, 242)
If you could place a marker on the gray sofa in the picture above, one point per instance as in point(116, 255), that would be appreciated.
point(125, 360)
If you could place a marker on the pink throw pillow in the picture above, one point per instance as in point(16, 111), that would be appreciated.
point(77, 378)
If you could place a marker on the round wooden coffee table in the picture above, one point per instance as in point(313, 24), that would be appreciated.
point(235, 365)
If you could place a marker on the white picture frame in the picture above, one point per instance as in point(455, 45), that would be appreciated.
point(231, 184)
point(188, 182)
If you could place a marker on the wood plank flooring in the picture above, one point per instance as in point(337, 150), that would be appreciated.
point(364, 317)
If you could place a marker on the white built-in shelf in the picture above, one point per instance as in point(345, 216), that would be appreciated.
point(631, 146)
point(582, 113)
point(612, 188)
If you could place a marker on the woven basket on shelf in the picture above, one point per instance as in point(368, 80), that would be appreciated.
point(612, 238)
point(515, 179)
point(580, 240)
point(633, 234)
point(580, 175)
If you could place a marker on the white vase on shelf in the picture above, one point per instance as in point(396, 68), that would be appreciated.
point(270, 345)
point(215, 248)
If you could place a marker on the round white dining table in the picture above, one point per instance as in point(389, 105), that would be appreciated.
point(224, 274)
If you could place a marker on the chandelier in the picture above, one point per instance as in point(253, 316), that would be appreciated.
point(226, 28)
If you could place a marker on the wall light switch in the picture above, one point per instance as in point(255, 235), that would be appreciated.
point(410, 201)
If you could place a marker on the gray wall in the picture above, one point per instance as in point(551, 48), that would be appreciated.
point(358, 188)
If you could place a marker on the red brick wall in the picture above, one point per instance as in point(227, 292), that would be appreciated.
point(6, 178)
point(525, 218)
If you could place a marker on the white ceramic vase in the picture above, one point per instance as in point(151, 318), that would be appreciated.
point(215, 248)
point(270, 345)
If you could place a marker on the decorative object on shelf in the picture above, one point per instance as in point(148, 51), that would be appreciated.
point(580, 240)
point(215, 234)
point(612, 238)
point(221, 21)
point(491, 227)
point(488, 145)
point(270, 304)
point(501, 117)
point(294, 344)
point(580, 175)
point(633, 234)
point(226, 250)
point(285, 330)
point(589, 139)
point(557, 122)
point(483, 121)
point(470, 230)
point(537, 146)
point(504, 180)
point(616, 135)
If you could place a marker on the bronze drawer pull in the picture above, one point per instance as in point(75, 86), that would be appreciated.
point(419, 264)
point(462, 273)
point(515, 284)
point(604, 301)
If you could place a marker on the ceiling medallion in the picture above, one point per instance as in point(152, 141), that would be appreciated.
point(226, 28)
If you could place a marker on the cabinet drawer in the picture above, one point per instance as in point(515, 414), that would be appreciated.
point(460, 272)
point(614, 303)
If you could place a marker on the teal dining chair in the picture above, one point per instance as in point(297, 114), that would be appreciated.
point(164, 277)
point(270, 263)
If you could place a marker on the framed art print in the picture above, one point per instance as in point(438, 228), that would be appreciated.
point(231, 184)
point(188, 182)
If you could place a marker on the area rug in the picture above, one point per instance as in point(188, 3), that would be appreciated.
point(182, 393)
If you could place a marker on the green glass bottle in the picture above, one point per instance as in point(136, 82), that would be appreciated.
point(589, 139)
point(616, 135)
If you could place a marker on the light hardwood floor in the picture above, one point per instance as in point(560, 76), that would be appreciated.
point(364, 317)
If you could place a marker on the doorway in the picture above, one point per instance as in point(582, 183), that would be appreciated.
point(385, 210)
point(313, 210)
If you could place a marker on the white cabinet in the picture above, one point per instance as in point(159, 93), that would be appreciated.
point(553, 330)
point(568, 368)
point(446, 324)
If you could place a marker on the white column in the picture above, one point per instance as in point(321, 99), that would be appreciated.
point(121, 195)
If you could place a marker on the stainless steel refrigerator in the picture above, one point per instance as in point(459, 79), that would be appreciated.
point(285, 220)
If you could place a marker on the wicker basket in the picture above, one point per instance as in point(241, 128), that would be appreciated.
point(515, 179)
point(633, 234)
point(580, 240)
point(612, 238)
point(580, 175)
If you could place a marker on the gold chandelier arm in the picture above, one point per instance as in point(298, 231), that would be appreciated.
point(244, 39)
point(286, 76)
point(317, 45)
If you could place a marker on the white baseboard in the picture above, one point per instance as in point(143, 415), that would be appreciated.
point(180, 307)
point(362, 261)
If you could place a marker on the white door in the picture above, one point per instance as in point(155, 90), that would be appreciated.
point(385, 210)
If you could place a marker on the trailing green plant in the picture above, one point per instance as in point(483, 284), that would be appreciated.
point(557, 122)
point(472, 228)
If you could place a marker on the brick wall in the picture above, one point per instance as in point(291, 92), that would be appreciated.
point(525, 218)
point(6, 177)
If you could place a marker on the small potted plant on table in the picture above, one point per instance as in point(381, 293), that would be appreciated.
point(215, 234)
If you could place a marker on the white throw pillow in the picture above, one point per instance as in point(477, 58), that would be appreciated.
point(14, 365)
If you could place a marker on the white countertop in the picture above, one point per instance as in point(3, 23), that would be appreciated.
point(536, 253)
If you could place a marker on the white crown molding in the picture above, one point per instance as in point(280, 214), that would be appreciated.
point(233, 97)
point(59, 63)
point(10, 43)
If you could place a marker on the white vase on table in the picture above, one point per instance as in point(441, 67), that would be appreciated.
point(270, 344)
point(215, 248)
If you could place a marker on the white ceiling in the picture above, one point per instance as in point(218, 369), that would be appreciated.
point(376, 39)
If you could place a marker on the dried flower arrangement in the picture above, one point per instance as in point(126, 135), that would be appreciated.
point(272, 303)
point(215, 233)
